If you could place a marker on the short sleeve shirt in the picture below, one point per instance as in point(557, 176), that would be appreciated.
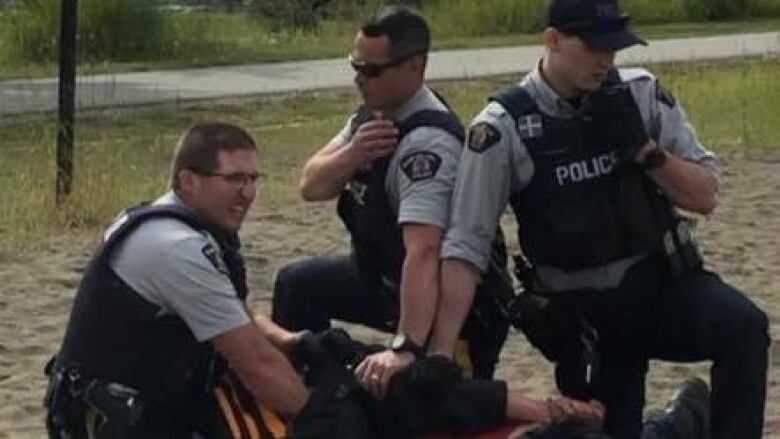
point(416, 197)
point(486, 179)
point(172, 265)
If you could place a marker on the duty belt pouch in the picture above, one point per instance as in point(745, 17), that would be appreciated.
point(64, 414)
point(680, 248)
point(114, 411)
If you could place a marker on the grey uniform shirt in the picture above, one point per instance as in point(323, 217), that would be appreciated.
point(486, 179)
point(163, 260)
point(422, 198)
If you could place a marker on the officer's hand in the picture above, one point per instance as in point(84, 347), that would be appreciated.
point(375, 371)
point(617, 120)
point(373, 139)
point(590, 413)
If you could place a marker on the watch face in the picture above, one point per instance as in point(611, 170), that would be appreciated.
point(398, 341)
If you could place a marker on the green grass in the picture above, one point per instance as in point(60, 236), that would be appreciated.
point(123, 157)
point(217, 38)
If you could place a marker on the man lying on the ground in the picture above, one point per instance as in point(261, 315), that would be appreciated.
point(432, 400)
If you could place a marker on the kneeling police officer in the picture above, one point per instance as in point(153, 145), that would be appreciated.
point(594, 161)
point(160, 314)
point(392, 168)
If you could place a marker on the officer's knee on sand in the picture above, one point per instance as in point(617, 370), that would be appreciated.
point(752, 326)
point(288, 293)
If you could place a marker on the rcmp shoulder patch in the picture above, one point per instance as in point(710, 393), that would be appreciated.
point(211, 253)
point(663, 95)
point(421, 165)
point(482, 136)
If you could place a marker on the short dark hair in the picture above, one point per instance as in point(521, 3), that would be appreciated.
point(406, 29)
point(200, 144)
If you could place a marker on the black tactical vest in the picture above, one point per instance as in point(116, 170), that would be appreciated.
point(115, 335)
point(366, 211)
point(579, 210)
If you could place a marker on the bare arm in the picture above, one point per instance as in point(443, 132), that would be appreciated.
point(330, 168)
point(689, 185)
point(279, 337)
point(263, 369)
point(689, 175)
point(419, 280)
point(458, 286)
point(419, 293)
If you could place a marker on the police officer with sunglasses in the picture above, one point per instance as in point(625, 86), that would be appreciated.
point(392, 168)
point(595, 162)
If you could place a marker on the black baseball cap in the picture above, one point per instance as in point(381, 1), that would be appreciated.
point(600, 23)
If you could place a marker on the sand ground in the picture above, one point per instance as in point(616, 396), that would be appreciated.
point(741, 241)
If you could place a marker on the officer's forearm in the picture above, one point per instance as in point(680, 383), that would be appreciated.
point(278, 336)
point(277, 386)
point(263, 369)
point(458, 286)
point(690, 186)
point(326, 173)
point(419, 292)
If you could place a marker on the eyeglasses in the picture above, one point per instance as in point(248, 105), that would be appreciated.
point(373, 70)
point(237, 179)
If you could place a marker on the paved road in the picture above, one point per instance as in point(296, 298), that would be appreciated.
point(26, 96)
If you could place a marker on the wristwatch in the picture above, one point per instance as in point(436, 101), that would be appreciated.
point(654, 159)
point(403, 343)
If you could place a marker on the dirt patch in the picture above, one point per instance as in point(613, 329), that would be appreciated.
point(741, 241)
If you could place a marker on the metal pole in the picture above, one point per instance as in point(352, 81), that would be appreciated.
point(67, 91)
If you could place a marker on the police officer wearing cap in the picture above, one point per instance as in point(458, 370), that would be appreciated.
point(595, 162)
point(392, 168)
point(161, 310)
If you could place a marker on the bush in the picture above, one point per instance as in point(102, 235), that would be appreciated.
point(706, 10)
point(124, 30)
point(296, 14)
point(32, 31)
point(116, 30)
point(487, 17)
point(654, 11)
point(308, 14)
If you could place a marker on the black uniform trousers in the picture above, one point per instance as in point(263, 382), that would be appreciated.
point(686, 318)
point(309, 292)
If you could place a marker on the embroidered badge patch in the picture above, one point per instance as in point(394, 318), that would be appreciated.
point(211, 253)
point(482, 136)
point(421, 165)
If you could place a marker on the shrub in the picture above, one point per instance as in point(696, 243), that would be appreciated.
point(297, 14)
point(124, 30)
point(486, 17)
point(107, 30)
point(654, 11)
point(705, 10)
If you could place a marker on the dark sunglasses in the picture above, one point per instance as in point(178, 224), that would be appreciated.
point(373, 70)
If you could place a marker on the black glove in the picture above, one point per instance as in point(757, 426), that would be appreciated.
point(617, 121)
point(315, 354)
point(336, 405)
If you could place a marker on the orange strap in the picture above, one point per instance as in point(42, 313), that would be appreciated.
point(243, 416)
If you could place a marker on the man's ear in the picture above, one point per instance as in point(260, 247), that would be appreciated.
point(188, 181)
point(417, 64)
point(551, 38)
